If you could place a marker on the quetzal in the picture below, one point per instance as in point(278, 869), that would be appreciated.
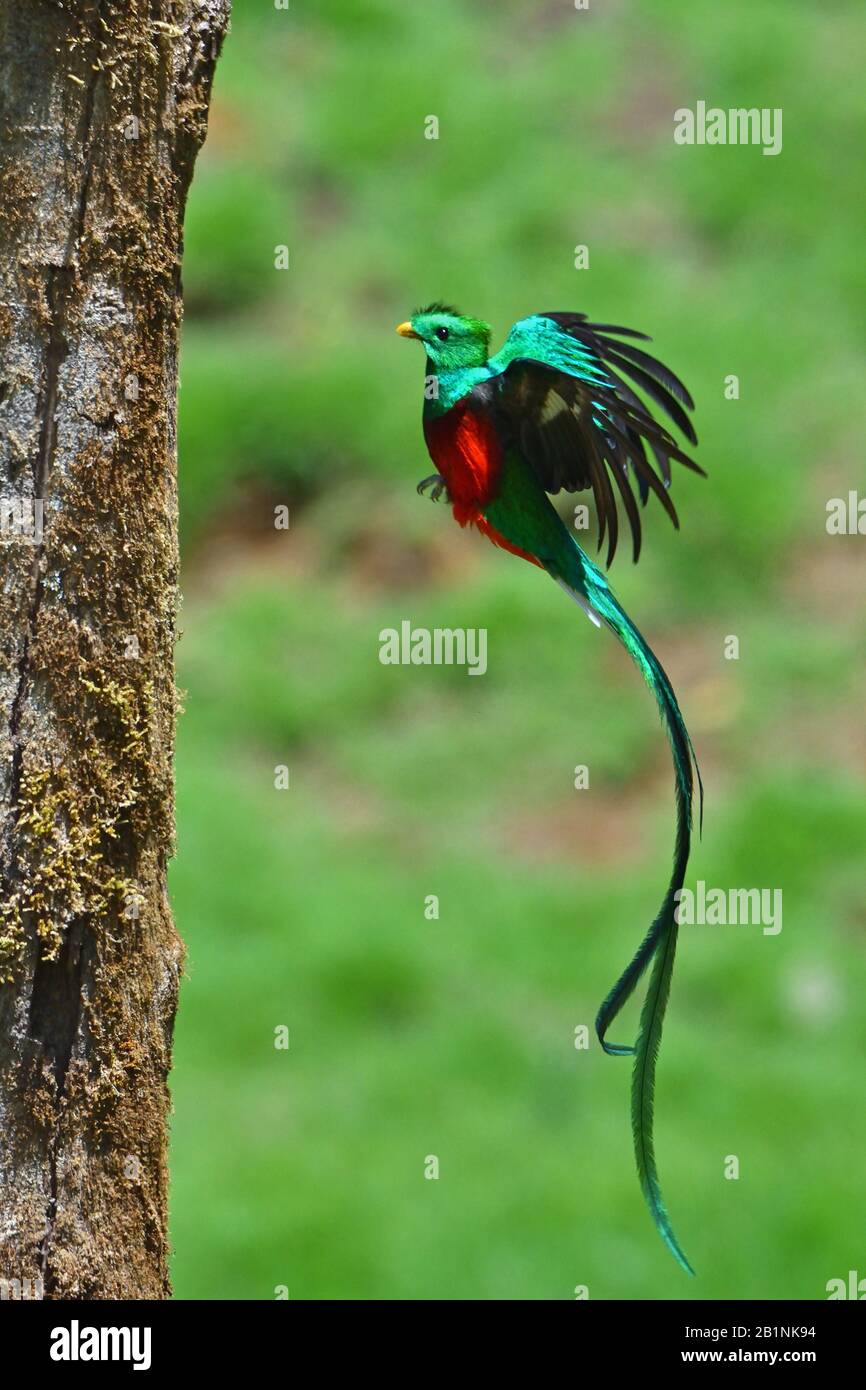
point(552, 410)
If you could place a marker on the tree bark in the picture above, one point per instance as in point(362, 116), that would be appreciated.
point(103, 108)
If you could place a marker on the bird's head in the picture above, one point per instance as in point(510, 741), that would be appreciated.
point(451, 340)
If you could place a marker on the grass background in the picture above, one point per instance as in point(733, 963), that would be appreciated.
point(305, 908)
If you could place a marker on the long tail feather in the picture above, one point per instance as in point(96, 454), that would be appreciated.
point(588, 586)
point(643, 1090)
point(683, 757)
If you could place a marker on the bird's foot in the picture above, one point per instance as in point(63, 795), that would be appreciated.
point(436, 484)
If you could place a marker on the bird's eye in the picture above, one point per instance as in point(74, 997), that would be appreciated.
point(442, 334)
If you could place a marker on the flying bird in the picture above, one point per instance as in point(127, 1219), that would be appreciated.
point(558, 408)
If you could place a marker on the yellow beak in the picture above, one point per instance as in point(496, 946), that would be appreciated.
point(406, 330)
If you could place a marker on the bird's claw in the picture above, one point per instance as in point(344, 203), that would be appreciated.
point(436, 484)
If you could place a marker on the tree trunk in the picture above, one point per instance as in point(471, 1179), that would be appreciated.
point(103, 107)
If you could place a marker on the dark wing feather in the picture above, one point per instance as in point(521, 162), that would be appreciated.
point(651, 365)
point(592, 335)
point(655, 391)
point(576, 433)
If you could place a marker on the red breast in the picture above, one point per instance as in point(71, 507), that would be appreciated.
point(466, 451)
point(465, 448)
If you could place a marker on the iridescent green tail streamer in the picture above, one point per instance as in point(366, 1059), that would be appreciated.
point(589, 587)
point(643, 1089)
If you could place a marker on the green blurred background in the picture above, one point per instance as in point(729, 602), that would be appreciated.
point(305, 907)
